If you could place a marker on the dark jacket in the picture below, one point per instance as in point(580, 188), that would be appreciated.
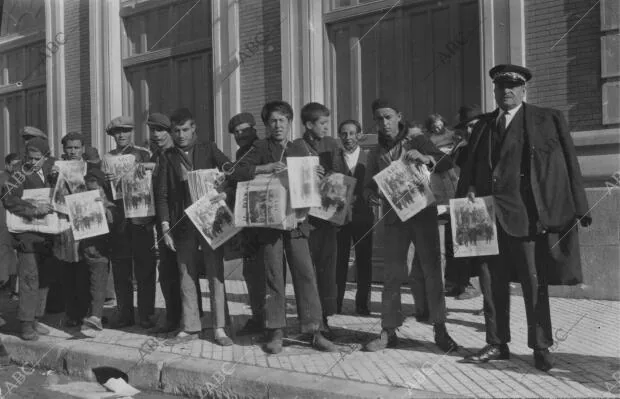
point(264, 152)
point(173, 196)
point(387, 151)
point(552, 172)
point(362, 212)
point(12, 192)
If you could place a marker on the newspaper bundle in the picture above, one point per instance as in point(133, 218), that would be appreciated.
point(203, 182)
point(336, 198)
point(406, 187)
point(50, 224)
point(303, 182)
point(70, 181)
point(138, 198)
point(263, 202)
point(474, 232)
point(87, 214)
point(118, 165)
point(213, 219)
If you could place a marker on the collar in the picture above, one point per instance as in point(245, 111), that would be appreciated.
point(348, 153)
point(510, 112)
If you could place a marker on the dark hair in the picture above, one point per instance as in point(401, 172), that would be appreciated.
point(276, 106)
point(72, 136)
point(432, 118)
point(180, 116)
point(10, 158)
point(414, 124)
point(311, 112)
point(353, 122)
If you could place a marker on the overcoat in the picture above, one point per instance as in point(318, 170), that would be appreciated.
point(555, 179)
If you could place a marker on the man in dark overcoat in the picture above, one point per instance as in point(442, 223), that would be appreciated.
point(523, 156)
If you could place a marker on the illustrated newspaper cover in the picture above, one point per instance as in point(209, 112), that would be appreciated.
point(263, 202)
point(118, 165)
point(336, 192)
point(213, 219)
point(70, 181)
point(138, 198)
point(50, 224)
point(406, 187)
point(87, 215)
point(474, 232)
point(303, 182)
point(203, 182)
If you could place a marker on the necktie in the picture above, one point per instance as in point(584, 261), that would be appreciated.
point(501, 126)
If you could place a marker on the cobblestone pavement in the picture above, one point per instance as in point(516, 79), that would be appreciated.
point(587, 352)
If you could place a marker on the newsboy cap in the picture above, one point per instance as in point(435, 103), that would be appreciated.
point(510, 73)
point(244, 117)
point(31, 131)
point(383, 103)
point(120, 122)
point(159, 120)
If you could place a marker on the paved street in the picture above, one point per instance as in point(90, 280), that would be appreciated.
point(587, 354)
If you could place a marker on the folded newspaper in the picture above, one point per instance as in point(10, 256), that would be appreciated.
point(336, 192)
point(263, 202)
point(118, 165)
point(203, 182)
point(213, 219)
point(50, 224)
point(70, 181)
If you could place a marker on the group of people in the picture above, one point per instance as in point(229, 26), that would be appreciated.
point(507, 156)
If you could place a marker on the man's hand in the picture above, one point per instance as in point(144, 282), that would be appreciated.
point(471, 194)
point(415, 156)
point(110, 177)
point(585, 220)
point(140, 171)
point(55, 170)
point(320, 172)
point(165, 229)
point(218, 197)
point(277, 167)
point(374, 200)
point(43, 209)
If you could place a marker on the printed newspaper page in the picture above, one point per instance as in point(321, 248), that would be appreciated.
point(87, 215)
point(303, 182)
point(203, 181)
point(262, 202)
point(214, 220)
point(138, 199)
point(336, 196)
point(406, 187)
point(474, 232)
point(50, 224)
point(118, 165)
point(70, 181)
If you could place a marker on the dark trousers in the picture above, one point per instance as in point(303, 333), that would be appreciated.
point(186, 242)
point(33, 285)
point(169, 281)
point(458, 270)
point(254, 276)
point(85, 287)
point(133, 246)
point(361, 235)
point(294, 245)
point(425, 274)
point(517, 255)
point(323, 247)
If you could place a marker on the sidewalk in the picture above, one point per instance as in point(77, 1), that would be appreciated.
point(587, 355)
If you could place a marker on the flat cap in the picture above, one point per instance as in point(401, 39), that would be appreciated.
point(32, 131)
point(383, 103)
point(120, 122)
point(510, 73)
point(244, 117)
point(159, 120)
point(39, 144)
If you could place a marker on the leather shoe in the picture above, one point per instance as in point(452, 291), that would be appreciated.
point(40, 328)
point(274, 341)
point(443, 339)
point(387, 339)
point(542, 360)
point(319, 342)
point(469, 293)
point(488, 353)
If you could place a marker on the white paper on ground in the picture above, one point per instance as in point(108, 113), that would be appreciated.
point(119, 386)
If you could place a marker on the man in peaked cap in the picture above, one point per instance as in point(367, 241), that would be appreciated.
point(524, 158)
point(132, 244)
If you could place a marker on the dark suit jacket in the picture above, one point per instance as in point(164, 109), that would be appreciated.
point(554, 175)
point(172, 196)
point(362, 213)
point(12, 192)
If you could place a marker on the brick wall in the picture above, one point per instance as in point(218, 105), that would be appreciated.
point(259, 39)
point(567, 75)
point(77, 68)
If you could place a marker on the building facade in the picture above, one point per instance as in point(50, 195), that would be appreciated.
point(73, 65)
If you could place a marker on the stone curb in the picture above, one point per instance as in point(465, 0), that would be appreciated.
point(200, 378)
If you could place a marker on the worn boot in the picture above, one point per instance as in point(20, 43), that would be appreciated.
point(28, 331)
point(40, 328)
point(319, 342)
point(274, 341)
point(443, 339)
point(387, 339)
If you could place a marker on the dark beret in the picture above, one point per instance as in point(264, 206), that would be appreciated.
point(244, 117)
point(159, 120)
point(383, 103)
point(39, 144)
point(510, 73)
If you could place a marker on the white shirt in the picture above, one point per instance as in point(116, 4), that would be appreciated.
point(509, 114)
point(41, 175)
point(351, 158)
